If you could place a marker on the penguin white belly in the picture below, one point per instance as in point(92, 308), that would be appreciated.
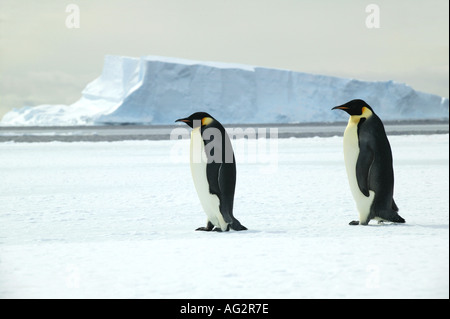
point(351, 153)
point(210, 202)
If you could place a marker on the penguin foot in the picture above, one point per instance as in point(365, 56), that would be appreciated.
point(216, 229)
point(354, 222)
point(209, 227)
point(203, 229)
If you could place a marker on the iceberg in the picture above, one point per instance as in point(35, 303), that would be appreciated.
point(158, 90)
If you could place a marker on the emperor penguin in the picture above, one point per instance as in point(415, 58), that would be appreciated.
point(213, 169)
point(368, 161)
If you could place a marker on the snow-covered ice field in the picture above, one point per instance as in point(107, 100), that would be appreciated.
point(117, 220)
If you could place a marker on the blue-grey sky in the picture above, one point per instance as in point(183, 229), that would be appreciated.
point(44, 62)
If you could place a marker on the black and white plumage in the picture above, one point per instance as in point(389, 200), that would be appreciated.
point(213, 169)
point(368, 161)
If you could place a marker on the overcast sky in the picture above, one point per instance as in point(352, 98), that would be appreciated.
point(42, 61)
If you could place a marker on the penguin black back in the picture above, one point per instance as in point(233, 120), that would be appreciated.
point(374, 165)
point(220, 170)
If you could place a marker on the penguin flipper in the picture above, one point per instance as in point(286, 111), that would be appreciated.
point(365, 160)
point(226, 183)
point(215, 177)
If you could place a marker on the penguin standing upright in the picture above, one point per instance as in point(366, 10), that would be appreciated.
point(368, 161)
point(213, 170)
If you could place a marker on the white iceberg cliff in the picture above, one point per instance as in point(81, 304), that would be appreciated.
point(158, 90)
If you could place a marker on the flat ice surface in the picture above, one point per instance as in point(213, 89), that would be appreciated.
point(117, 220)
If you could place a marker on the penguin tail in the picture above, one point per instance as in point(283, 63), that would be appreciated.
point(395, 218)
point(394, 206)
point(399, 219)
point(236, 225)
point(389, 214)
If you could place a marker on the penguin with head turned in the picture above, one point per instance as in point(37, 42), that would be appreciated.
point(213, 169)
point(368, 161)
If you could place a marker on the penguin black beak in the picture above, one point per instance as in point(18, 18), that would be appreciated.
point(343, 108)
point(185, 120)
point(340, 108)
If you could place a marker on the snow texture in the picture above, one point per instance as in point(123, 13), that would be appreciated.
point(117, 220)
point(158, 90)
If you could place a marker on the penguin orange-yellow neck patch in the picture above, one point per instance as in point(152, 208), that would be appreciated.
point(366, 113)
point(206, 121)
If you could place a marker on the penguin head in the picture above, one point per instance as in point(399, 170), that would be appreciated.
point(197, 119)
point(355, 108)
